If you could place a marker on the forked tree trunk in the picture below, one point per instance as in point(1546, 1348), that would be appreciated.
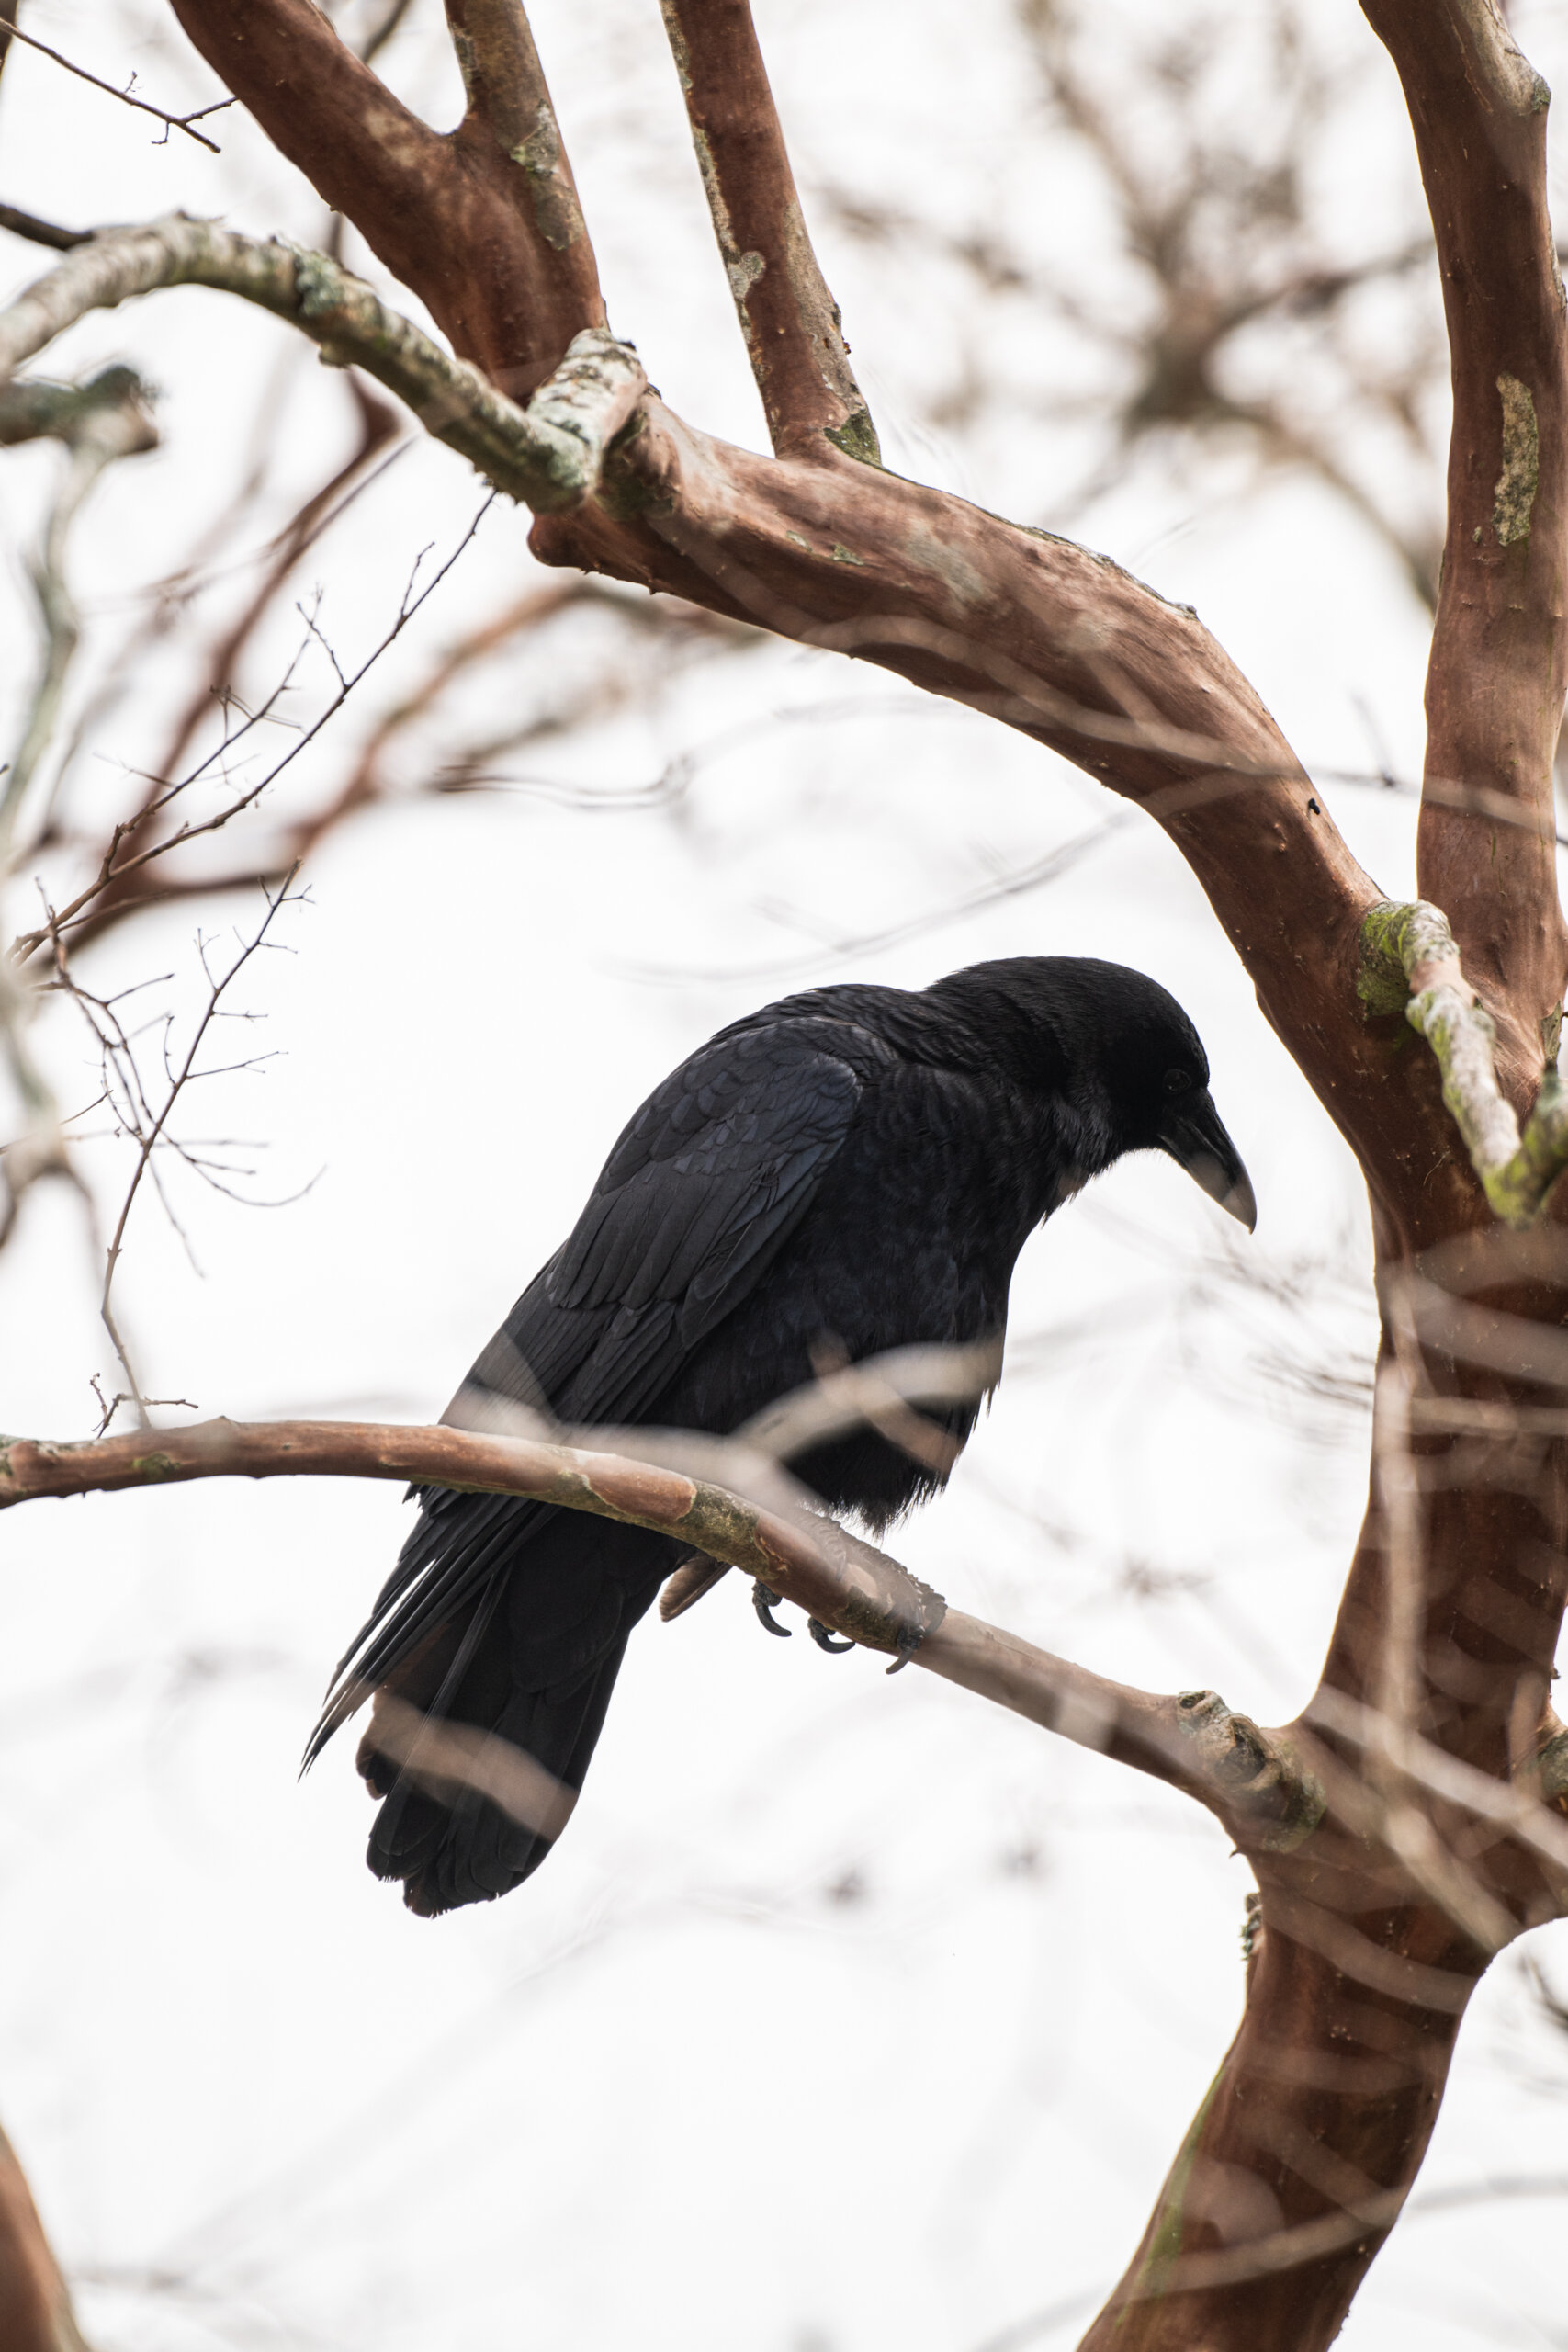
point(1412, 1822)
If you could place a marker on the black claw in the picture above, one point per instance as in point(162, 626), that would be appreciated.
point(765, 1600)
point(824, 1639)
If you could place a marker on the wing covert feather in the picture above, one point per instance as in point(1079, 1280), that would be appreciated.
point(700, 1192)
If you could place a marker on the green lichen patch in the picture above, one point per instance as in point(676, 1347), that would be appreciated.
point(846, 554)
point(1396, 936)
point(156, 1466)
point(1551, 1763)
point(1514, 497)
point(857, 438)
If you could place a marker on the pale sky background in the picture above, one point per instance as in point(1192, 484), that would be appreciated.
point(845, 2015)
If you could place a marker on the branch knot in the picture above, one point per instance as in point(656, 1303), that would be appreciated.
point(1257, 1775)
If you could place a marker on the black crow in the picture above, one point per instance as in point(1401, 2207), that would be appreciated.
point(848, 1172)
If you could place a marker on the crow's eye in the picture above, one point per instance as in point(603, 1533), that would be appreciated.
point(1177, 1081)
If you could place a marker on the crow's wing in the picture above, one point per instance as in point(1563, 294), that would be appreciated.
point(703, 1188)
point(698, 1196)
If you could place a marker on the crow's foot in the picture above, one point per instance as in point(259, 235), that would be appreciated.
point(765, 1600)
point(824, 1639)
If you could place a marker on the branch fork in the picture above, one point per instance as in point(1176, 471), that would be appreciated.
point(1410, 963)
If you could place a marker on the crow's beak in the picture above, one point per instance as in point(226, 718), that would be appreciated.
point(1193, 1133)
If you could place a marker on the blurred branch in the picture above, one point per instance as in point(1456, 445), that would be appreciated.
point(1221, 240)
point(378, 425)
point(62, 924)
point(43, 232)
point(35, 2303)
point(98, 421)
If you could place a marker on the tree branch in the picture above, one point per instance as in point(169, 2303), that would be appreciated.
point(1499, 668)
point(548, 454)
point(791, 322)
point(127, 98)
point(35, 2303)
point(1411, 964)
point(448, 215)
point(1250, 1779)
point(105, 418)
point(42, 232)
point(832, 1574)
point(512, 122)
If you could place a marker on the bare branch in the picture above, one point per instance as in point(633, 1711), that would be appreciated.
point(43, 232)
point(832, 1574)
point(1250, 1779)
point(791, 322)
point(65, 923)
point(150, 1126)
point(120, 893)
point(1411, 962)
point(126, 97)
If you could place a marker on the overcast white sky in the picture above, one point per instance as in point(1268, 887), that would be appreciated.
point(845, 2015)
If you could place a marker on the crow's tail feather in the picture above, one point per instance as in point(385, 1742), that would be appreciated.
point(473, 1800)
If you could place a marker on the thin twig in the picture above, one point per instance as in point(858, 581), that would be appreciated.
point(151, 1132)
point(185, 122)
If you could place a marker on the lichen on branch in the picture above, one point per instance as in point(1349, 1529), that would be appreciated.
point(548, 454)
point(1410, 963)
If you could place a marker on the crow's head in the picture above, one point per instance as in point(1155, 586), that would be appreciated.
point(1118, 1051)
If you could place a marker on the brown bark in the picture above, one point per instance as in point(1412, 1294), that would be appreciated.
point(1257, 1782)
point(35, 2303)
point(1383, 1902)
point(487, 233)
point(1499, 663)
point(794, 334)
point(1295, 2112)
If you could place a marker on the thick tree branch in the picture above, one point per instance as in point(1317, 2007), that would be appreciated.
point(1411, 962)
point(791, 322)
point(548, 454)
point(1499, 661)
point(511, 118)
point(454, 217)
